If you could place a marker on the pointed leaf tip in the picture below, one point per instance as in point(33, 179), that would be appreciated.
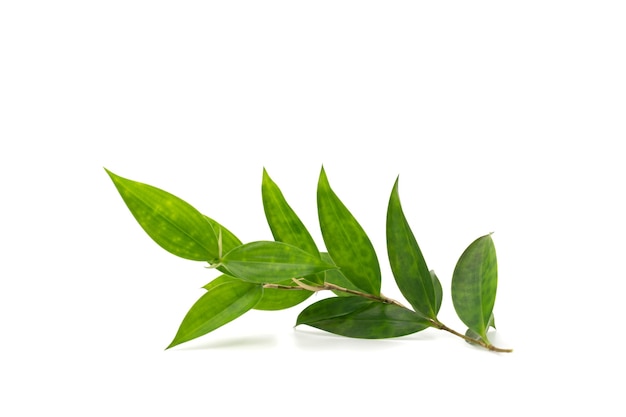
point(171, 222)
point(220, 305)
point(474, 285)
point(346, 241)
point(408, 265)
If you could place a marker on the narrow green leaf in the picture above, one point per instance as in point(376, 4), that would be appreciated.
point(229, 240)
point(438, 291)
point(271, 262)
point(407, 262)
point(284, 223)
point(474, 285)
point(361, 318)
point(346, 241)
point(220, 305)
point(219, 281)
point(171, 222)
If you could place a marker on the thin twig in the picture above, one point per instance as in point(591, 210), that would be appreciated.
point(383, 299)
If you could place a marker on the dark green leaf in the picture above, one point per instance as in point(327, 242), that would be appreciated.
point(220, 305)
point(361, 318)
point(346, 241)
point(171, 222)
point(407, 263)
point(271, 262)
point(285, 225)
point(474, 285)
point(273, 299)
point(438, 291)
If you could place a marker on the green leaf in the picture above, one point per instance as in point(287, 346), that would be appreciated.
point(271, 262)
point(335, 276)
point(273, 299)
point(229, 240)
point(473, 335)
point(438, 291)
point(346, 241)
point(284, 223)
point(220, 305)
point(171, 222)
point(407, 262)
point(474, 284)
point(361, 318)
point(219, 281)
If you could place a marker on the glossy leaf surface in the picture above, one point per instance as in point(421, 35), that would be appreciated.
point(284, 223)
point(361, 318)
point(346, 241)
point(220, 305)
point(171, 222)
point(406, 260)
point(271, 262)
point(474, 285)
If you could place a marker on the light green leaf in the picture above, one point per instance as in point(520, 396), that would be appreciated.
point(346, 241)
point(284, 223)
point(219, 281)
point(171, 222)
point(407, 262)
point(229, 240)
point(273, 299)
point(271, 262)
point(474, 285)
point(220, 305)
point(361, 318)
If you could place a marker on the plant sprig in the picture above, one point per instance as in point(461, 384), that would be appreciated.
point(283, 272)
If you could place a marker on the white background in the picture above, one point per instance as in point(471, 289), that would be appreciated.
point(498, 117)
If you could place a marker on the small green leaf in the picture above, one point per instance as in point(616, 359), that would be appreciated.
point(284, 223)
point(273, 299)
point(474, 285)
point(361, 318)
point(220, 305)
point(171, 222)
point(229, 240)
point(472, 335)
point(438, 291)
point(346, 241)
point(407, 262)
point(271, 262)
